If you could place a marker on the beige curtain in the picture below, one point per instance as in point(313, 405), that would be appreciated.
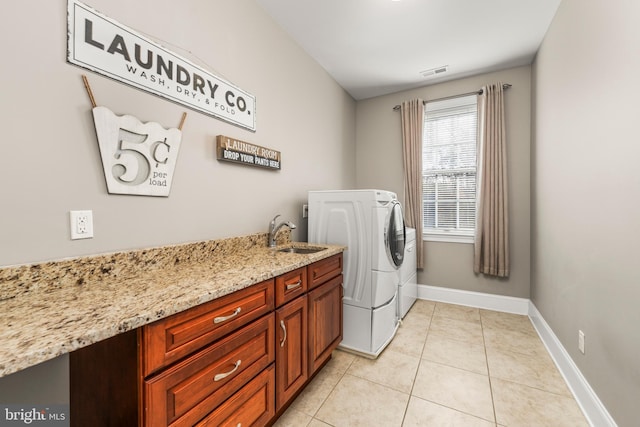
point(491, 248)
point(412, 113)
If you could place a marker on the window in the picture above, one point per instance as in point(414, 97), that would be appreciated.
point(449, 169)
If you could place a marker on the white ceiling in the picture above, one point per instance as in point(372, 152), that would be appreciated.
point(376, 47)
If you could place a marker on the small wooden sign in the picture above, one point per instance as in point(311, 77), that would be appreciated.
point(233, 150)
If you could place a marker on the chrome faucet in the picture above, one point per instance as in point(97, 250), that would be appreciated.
point(273, 229)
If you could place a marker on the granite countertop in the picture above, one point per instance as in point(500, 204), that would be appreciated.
point(53, 308)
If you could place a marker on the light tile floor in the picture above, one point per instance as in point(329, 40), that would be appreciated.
point(448, 365)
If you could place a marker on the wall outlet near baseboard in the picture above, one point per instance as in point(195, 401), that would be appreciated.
point(581, 341)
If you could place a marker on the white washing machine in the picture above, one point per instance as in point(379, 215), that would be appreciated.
point(370, 224)
point(408, 285)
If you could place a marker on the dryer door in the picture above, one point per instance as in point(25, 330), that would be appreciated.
point(396, 234)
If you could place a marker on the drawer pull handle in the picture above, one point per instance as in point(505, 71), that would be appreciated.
point(222, 376)
point(284, 328)
point(295, 285)
point(224, 318)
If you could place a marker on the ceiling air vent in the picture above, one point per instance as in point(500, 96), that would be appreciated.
point(434, 71)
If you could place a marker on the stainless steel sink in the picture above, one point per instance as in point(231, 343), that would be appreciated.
point(301, 250)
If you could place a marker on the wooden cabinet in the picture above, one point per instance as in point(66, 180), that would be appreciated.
point(237, 360)
point(323, 270)
point(325, 321)
point(308, 328)
point(104, 383)
point(177, 336)
point(291, 350)
point(254, 405)
point(181, 369)
point(290, 286)
point(186, 392)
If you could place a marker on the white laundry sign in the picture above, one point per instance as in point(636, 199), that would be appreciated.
point(103, 45)
point(137, 158)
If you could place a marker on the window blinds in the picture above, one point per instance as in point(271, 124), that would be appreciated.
point(449, 165)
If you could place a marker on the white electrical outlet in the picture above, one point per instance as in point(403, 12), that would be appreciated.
point(81, 224)
point(305, 211)
point(581, 341)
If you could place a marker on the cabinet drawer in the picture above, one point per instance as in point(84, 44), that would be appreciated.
point(290, 285)
point(323, 270)
point(175, 337)
point(254, 405)
point(186, 392)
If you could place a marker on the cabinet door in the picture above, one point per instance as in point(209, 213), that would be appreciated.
point(291, 349)
point(325, 321)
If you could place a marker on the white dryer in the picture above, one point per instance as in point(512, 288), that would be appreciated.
point(370, 224)
point(408, 285)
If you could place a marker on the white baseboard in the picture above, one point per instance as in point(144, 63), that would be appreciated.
point(474, 299)
point(591, 406)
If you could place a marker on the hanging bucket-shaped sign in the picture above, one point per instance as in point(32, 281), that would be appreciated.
point(137, 158)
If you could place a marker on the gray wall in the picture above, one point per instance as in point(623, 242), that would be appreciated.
point(379, 165)
point(585, 206)
point(50, 162)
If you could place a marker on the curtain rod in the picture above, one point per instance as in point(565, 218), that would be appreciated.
point(477, 92)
